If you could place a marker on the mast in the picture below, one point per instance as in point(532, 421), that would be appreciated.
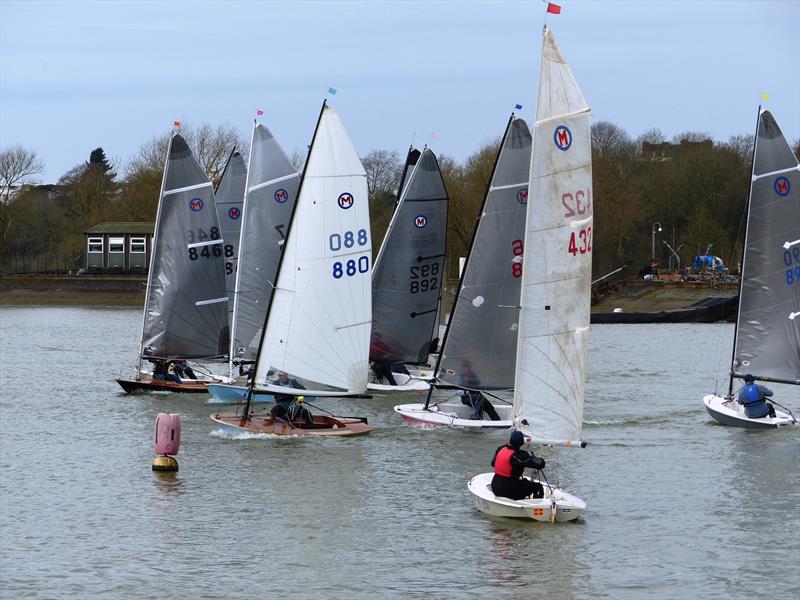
point(251, 387)
point(466, 264)
point(225, 168)
point(232, 349)
point(152, 255)
point(744, 246)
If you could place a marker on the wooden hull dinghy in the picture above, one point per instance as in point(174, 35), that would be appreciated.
point(324, 426)
point(191, 386)
point(557, 506)
point(727, 411)
point(452, 415)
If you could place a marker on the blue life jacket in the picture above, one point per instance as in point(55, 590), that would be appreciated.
point(755, 406)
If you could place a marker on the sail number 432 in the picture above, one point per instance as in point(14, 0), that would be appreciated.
point(580, 242)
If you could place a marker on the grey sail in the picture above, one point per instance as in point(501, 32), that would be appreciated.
point(406, 283)
point(229, 198)
point(484, 320)
point(186, 312)
point(768, 327)
point(272, 184)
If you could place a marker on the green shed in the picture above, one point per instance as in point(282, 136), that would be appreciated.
point(119, 246)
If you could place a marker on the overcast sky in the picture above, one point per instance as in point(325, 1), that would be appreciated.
point(77, 75)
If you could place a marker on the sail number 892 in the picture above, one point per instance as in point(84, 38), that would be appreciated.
point(424, 278)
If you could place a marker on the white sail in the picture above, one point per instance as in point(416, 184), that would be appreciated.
point(318, 325)
point(556, 280)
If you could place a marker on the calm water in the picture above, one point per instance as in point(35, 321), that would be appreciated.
point(678, 507)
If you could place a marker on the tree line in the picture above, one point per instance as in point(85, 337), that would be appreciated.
point(695, 189)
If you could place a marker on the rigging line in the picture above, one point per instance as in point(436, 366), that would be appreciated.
point(488, 393)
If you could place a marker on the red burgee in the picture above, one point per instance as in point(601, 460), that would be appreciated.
point(553, 8)
point(260, 113)
point(176, 123)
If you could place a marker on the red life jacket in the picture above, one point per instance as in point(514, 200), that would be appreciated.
point(502, 462)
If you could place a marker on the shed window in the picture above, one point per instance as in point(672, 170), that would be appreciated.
point(137, 245)
point(95, 245)
point(116, 244)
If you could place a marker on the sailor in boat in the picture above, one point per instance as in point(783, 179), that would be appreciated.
point(183, 369)
point(754, 399)
point(287, 406)
point(472, 397)
point(164, 370)
point(382, 368)
point(509, 462)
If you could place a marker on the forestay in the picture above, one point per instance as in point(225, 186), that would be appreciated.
point(272, 185)
point(556, 280)
point(484, 323)
point(768, 330)
point(186, 313)
point(318, 325)
point(407, 282)
point(228, 199)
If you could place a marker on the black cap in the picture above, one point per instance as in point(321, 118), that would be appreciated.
point(516, 439)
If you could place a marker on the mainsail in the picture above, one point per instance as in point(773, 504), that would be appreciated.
point(556, 280)
point(186, 312)
point(767, 343)
point(484, 321)
point(228, 199)
point(318, 323)
point(407, 280)
point(272, 184)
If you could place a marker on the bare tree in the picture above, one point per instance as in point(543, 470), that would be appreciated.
point(211, 147)
point(383, 171)
point(298, 160)
point(16, 165)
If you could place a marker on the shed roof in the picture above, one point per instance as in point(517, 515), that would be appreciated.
point(134, 227)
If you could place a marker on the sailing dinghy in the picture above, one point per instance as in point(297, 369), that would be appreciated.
point(482, 331)
point(408, 274)
point(767, 338)
point(272, 183)
point(317, 324)
point(556, 288)
point(186, 312)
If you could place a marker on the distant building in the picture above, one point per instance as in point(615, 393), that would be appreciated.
point(119, 246)
point(666, 151)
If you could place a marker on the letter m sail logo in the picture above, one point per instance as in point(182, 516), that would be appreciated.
point(562, 137)
point(782, 186)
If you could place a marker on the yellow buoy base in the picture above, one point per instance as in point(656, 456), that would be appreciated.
point(165, 464)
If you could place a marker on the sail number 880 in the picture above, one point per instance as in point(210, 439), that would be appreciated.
point(351, 267)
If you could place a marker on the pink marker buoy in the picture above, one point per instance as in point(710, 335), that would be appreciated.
point(167, 442)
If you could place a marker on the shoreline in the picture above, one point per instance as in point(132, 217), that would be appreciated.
point(71, 290)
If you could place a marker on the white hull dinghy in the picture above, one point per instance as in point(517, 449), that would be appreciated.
point(557, 506)
point(766, 341)
point(727, 411)
point(451, 414)
point(405, 383)
point(480, 342)
point(552, 344)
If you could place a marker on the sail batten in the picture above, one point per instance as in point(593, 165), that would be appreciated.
point(556, 279)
